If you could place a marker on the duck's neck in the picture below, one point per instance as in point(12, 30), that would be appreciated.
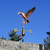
point(22, 13)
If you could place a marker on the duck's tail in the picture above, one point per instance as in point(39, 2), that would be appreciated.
point(27, 21)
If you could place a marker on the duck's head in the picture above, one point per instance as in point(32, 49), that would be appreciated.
point(19, 13)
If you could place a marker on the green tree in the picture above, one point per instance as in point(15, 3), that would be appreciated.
point(13, 36)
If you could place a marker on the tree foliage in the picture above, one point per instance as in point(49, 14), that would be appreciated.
point(13, 36)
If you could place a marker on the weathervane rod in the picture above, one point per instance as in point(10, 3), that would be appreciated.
point(22, 38)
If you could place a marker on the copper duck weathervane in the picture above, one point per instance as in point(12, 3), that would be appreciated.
point(26, 16)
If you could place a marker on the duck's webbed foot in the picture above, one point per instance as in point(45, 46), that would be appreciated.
point(23, 23)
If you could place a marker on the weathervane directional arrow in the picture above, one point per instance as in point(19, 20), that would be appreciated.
point(30, 31)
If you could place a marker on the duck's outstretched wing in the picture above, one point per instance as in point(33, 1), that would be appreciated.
point(29, 12)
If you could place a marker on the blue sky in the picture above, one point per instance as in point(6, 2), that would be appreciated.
point(39, 20)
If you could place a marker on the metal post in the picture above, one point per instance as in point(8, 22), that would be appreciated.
point(22, 38)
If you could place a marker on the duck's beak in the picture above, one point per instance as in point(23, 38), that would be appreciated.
point(18, 13)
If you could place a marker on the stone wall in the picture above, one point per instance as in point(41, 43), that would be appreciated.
point(12, 45)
